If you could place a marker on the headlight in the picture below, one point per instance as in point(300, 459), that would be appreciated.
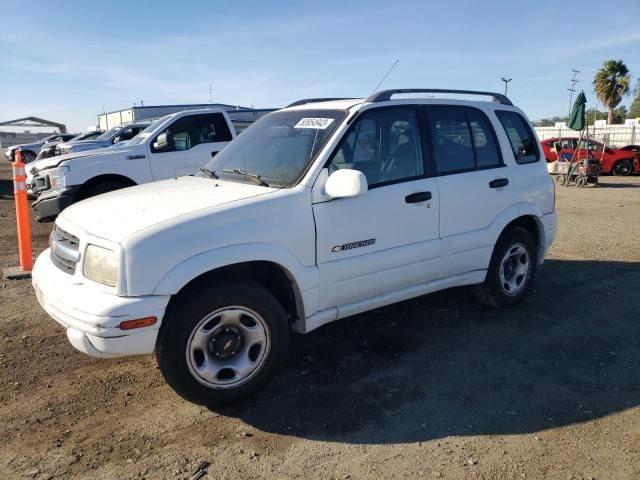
point(57, 177)
point(101, 265)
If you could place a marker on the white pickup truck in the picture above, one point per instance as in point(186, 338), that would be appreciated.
point(317, 212)
point(172, 146)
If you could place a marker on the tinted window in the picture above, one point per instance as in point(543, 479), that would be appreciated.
point(520, 136)
point(383, 144)
point(487, 153)
point(192, 130)
point(450, 140)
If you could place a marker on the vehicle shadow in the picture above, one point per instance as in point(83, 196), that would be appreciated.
point(444, 365)
point(6, 188)
point(604, 184)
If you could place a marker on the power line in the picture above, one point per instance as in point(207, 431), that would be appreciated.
point(573, 81)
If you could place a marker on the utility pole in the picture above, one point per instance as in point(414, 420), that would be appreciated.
point(210, 93)
point(574, 80)
point(506, 83)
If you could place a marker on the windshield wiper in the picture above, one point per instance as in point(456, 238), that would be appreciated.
point(253, 176)
point(208, 172)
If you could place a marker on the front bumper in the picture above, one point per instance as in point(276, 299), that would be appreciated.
point(47, 208)
point(91, 316)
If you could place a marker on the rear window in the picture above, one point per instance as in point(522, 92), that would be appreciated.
point(520, 136)
point(461, 140)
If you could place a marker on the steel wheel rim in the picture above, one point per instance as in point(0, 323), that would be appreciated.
point(515, 268)
point(228, 347)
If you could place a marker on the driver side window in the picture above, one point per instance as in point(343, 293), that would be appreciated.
point(384, 145)
point(189, 131)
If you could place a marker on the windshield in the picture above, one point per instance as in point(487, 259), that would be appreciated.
point(109, 133)
point(279, 146)
point(147, 131)
point(87, 136)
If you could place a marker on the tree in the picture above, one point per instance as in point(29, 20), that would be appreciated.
point(634, 108)
point(591, 115)
point(610, 84)
point(550, 122)
point(619, 115)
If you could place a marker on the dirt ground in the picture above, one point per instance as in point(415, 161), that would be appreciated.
point(435, 387)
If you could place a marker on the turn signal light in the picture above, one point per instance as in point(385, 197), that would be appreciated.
point(137, 323)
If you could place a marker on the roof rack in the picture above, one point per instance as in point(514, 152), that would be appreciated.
point(385, 95)
point(313, 100)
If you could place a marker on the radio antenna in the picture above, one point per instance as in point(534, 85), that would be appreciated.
point(385, 76)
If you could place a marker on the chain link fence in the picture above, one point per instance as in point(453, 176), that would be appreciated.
point(612, 135)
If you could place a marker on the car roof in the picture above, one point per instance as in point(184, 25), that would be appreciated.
point(337, 104)
point(434, 96)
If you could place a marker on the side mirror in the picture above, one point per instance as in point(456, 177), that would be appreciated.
point(346, 183)
point(163, 141)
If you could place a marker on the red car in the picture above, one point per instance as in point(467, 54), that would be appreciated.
point(619, 161)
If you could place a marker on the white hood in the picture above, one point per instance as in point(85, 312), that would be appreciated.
point(117, 215)
point(57, 160)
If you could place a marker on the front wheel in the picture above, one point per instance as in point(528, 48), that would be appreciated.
point(623, 168)
point(511, 270)
point(222, 343)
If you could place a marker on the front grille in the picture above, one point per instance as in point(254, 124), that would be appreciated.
point(65, 250)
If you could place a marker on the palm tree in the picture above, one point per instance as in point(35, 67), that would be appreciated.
point(611, 83)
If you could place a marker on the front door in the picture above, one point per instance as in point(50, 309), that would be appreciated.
point(386, 239)
point(193, 140)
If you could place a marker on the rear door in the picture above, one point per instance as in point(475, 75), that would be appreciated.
point(474, 184)
point(387, 239)
point(195, 139)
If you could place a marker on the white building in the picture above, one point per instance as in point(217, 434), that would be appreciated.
point(241, 116)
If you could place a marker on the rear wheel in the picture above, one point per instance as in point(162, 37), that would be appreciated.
point(511, 270)
point(581, 182)
point(561, 180)
point(623, 168)
point(222, 343)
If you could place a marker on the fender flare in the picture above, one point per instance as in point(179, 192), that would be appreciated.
point(303, 279)
point(514, 212)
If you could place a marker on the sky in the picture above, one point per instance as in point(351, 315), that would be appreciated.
point(68, 61)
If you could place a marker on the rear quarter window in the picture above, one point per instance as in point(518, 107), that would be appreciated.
point(521, 137)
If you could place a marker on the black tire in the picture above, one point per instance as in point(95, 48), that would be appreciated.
point(581, 182)
point(561, 180)
point(623, 168)
point(28, 156)
point(181, 322)
point(491, 292)
point(99, 188)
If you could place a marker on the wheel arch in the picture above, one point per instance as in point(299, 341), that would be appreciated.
point(274, 277)
point(86, 186)
point(530, 222)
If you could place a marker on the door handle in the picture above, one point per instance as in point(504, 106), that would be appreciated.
point(499, 182)
point(418, 197)
point(135, 157)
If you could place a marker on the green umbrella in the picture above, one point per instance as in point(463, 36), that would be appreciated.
point(577, 119)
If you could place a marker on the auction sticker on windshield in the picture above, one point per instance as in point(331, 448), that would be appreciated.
point(318, 123)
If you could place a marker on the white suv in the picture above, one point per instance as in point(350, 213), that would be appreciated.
point(316, 212)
